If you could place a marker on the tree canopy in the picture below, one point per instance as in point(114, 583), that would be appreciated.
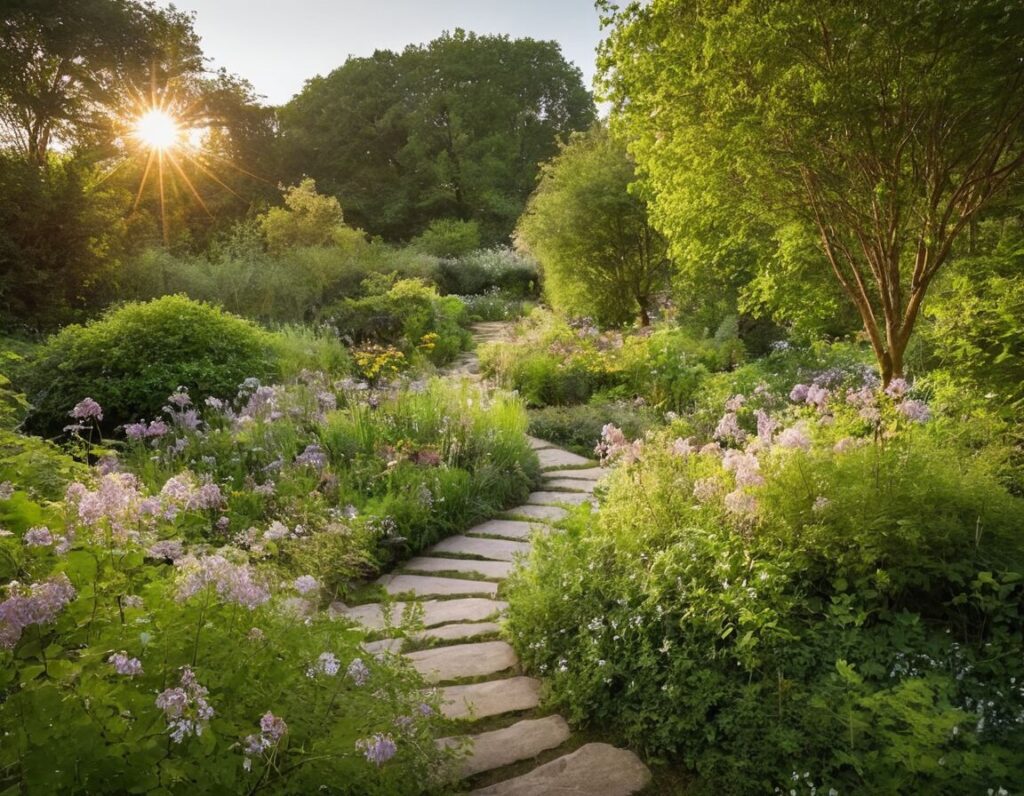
point(455, 128)
point(599, 255)
point(879, 129)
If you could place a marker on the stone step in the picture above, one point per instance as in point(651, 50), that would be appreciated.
point(586, 474)
point(391, 645)
point(596, 769)
point(508, 529)
point(568, 483)
point(554, 498)
point(492, 698)
point(556, 458)
point(548, 513)
point(494, 549)
point(434, 612)
point(457, 631)
point(427, 586)
point(522, 741)
point(488, 569)
point(538, 444)
point(444, 664)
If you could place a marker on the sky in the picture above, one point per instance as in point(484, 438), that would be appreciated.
point(279, 44)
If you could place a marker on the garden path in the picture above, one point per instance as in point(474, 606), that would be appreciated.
point(514, 749)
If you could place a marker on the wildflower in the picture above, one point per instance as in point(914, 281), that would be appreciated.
point(214, 403)
point(916, 411)
point(132, 601)
point(157, 429)
point(206, 497)
point(277, 530)
point(306, 583)
point(39, 536)
point(313, 456)
point(735, 403)
point(798, 394)
point(38, 604)
point(358, 672)
point(378, 749)
point(614, 444)
point(820, 504)
point(129, 667)
point(745, 466)
point(180, 398)
point(897, 388)
point(135, 431)
point(766, 426)
point(327, 664)
point(234, 583)
point(728, 429)
point(87, 409)
point(740, 503)
point(255, 634)
point(682, 448)
point(794, 437)
point(169, 549)
point(705, 490)
point(266, 490)
point(185, 707)
point(817, 396)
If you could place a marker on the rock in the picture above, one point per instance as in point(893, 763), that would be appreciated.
point(521, 741)
point(569, 484)
point(596, 769)
point(538, 444)
point(435, 612)
point(495, 549)
point(548, 513)
point(463, 660)
point(509, 529)
point(492, 698)
point(389, 645)
point(587, 474)
point(555, 458)
point(458, 631)
point(488, 569)
point(553, 498)
point(426, 586)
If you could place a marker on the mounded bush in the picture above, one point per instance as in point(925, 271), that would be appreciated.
point(134, 356)
point(833, 605)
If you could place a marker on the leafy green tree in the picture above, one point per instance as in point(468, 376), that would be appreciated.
point(590, 232)
point(452, 129)
point(308, 218)
point(448, 237)
point(880, 128)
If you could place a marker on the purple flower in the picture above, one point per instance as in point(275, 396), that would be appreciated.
point(273, 726)
point(207, 497)
point(38, 604)
point(378, 749)
point(185, 707)
point(170, 549)
point(735, 403)
point(798, 394)
point(130, 667)
point(135, 431)
point(728, 429)
point(234, 583)
point(312, 456)
point(817, 396)
point(180, 398)
point(740, 503)
point(327, 664)
point(682, 448)
point(917, 411)
point(157, 429)
point(897, 388)
point(39, 536)
point(745, 466)
point(306, 584)
point(766, 426)
point(358, 672)
point(705, 489)
point(87, 409)
point(132, 601)
point(794, 437)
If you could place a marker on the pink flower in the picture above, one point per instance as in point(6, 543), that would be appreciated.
point(87, 409)
point(794, 437)
point(728, 429)
point(39, 536)
point(38, 604)
point(306, 584)
point(740, 503)
point(130, 667)
point(185, 707)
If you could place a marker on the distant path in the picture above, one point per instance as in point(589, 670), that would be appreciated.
point(467, 363)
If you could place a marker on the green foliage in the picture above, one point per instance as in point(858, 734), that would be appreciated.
point(786, 146)
point(850, 614)
point(449, 238)
point(410, 315)
point(133, 357)
point(578, 428)
point(600, 256)
point(307, 219)
point(452, 129)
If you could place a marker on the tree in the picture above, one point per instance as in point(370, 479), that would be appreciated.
point(452, 129)
point(598, 253)
point(66, 67)
point(882, 127)
point(307, 219)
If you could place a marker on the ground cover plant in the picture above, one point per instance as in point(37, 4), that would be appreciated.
point(820, 593)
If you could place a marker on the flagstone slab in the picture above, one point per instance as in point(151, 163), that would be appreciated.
point(596, 769)
point(538, 444)
point(553, 458)
point(385, 645)
point(586, 474)
point(491, 698)
point(494, 549)
point(428, 586)
point(488, 569)
point(509, 529)
point(544, 513)
point(443, 664)
point(460, 630)
point(569, 484)
point(553, 498)
point(522, 741)
point(434, 612)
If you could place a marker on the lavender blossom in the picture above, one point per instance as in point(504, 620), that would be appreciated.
point(313, 456)
point(794, 437)
point(87, 409)
point(38, 604)
point(916, 411)
point(327, 664)
point(358, 672)
point(39, 536)
point(129, 667)
point(378, 749)
point(740, 503)
point(305, 584)
point(185, 707)
point(728, 429)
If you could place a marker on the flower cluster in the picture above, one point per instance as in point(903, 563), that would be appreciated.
point(38, 604)
point(272, 730)
point(358, 672)
point(327, 664)
point(614, 446)
point(234, 583)
point(185, 707)
point(129, 667)
point(378, 749)
point(117, 504)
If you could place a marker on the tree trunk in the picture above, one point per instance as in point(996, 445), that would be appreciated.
point(644, 317)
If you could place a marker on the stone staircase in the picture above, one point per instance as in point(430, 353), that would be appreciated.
point(455, 586)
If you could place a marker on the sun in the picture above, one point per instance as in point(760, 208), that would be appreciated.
point(157, 129)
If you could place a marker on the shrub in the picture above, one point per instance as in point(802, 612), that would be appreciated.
point(134, 356)
point(448, 237)
point(830, 601)
point(578, 428)
point(500, 268)
point(495, 306)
